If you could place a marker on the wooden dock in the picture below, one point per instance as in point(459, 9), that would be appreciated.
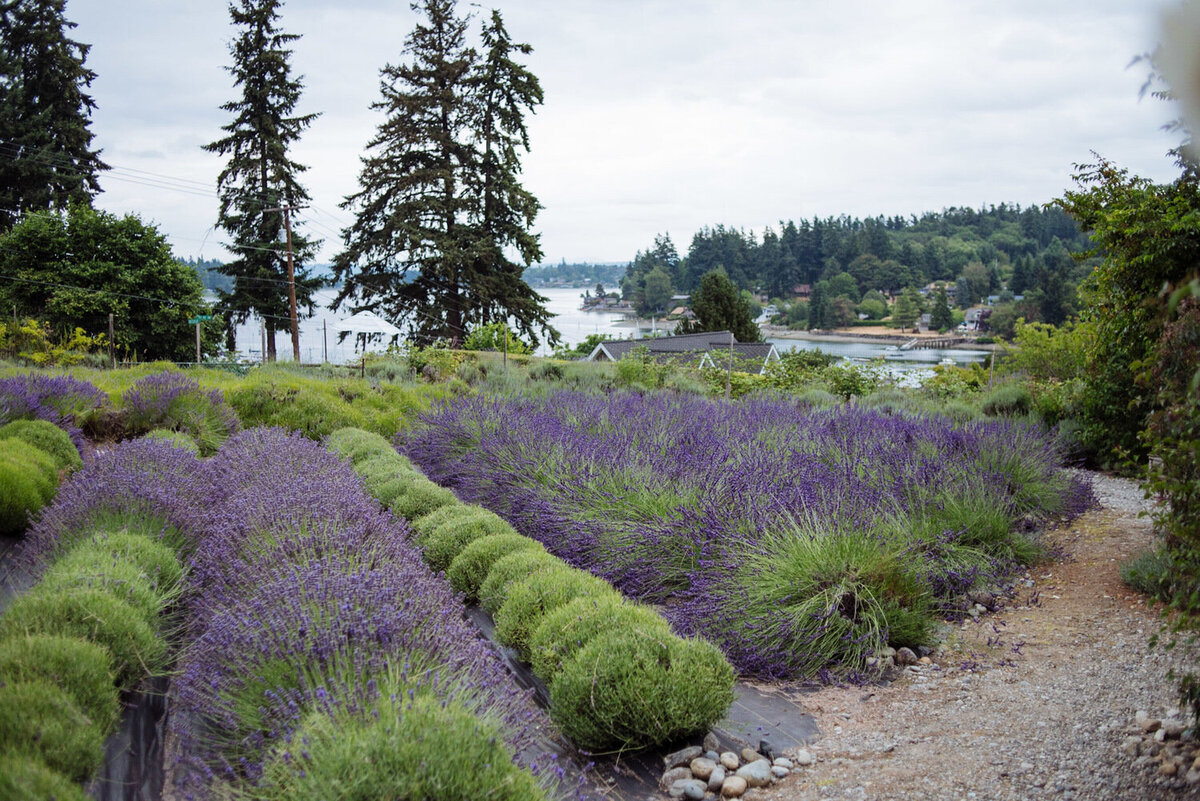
point(933, 344)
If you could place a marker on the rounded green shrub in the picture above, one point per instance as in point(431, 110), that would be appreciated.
point(48, 437)
point(387, 489)
point(424, 525)
point(178, 439)
point(411, 751)
point(530, 599)
point(26, 778)
point(40, 720)
point(448, 539)
point(638, 687)
point(28, 481)
point(566, 630)
point(156, 559)
point(123, 580)
point(384, 467)
point(93, 615)
point(420, 497)
point(514, 567)
point(469, 569)
point(357, 445)
point(83, 669)
point(1008, 400)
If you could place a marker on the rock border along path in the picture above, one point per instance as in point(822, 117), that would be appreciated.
point(1037, 700)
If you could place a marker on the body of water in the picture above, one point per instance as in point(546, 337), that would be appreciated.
point(318, 339)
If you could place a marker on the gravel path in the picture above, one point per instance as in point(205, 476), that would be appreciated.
point(1037, 700)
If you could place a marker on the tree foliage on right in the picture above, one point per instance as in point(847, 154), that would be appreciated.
point(441, 204)
point(46, 158)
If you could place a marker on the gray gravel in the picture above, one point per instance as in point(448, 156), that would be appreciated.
point(1031, 702)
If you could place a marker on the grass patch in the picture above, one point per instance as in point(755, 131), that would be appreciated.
point(28, 481)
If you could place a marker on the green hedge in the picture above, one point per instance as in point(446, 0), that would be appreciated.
point(49, 438)
point(565, 631)
point(28, 481)
point(448, 540)
point(510, 569)
point(528, 601)
point(26, 778)
point(39, 720)
point(469, 569)
point(634, 688)
point(82, 669)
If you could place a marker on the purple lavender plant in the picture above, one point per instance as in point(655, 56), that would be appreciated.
point(173, 400)
point(303, 594)
point(656, 493)
point(56, 398)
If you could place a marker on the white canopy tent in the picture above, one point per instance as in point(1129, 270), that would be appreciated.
point(367, 324)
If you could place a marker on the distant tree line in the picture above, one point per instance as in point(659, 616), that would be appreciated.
point(577, 274)
point(842, 263)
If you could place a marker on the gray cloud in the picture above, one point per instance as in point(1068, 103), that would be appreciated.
point(670, 115)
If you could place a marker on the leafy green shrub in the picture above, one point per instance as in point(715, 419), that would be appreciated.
point(93, 615)
point(42, 721)
point(983, 525)
point(1150, 572)
point(514, 567)
point(178, 439)
point(448, 539)
point(84, 670)
point(820, 398)
point(28, 481)
point(546, 370)
point(959, 411)
point(48, 437)
point(419, 497)
point(529, 599)
point(469, 569)
point(404, 751)
point(26, 778)
point(122, 580)
point(1008, 400)
point(633, 688)
point(156, 559)
point(315, 413)
point(566, 630)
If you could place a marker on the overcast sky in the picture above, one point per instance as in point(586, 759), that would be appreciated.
point(666, 115)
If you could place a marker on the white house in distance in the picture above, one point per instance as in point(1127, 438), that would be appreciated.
point(707, 349)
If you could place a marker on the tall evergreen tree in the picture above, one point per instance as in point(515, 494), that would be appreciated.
point(940, 316)
point(719, 306)
point(501, 92)
point(260, 178)
point(440, 200)
point(46, 158)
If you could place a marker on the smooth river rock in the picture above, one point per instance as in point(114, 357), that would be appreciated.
point(682, 757)
point(702, 767)
point(733, 787)
point(730, 761)
point(716, 779)
point(757, 773)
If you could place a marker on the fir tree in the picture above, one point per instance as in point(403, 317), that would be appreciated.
point(259, 178)
point(440, 199)
point(940, 317)
point(46, 160)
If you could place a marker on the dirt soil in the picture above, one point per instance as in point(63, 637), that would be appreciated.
point(1032, 701)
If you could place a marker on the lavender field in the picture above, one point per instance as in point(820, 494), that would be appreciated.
point(801, 541)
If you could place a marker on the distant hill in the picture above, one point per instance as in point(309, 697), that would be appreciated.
point(576, 274)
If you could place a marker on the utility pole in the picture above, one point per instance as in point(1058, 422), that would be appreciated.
point(729, 372)
point(291, 279)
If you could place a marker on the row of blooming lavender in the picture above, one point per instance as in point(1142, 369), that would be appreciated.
point(618, 678)
point(800, 540)
point(315, 654)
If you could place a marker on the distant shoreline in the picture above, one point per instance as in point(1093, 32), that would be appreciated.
point(777, 332)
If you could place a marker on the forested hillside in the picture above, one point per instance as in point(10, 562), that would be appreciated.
point(1002, 250)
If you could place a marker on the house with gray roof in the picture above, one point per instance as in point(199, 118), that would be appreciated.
point(707, 349)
